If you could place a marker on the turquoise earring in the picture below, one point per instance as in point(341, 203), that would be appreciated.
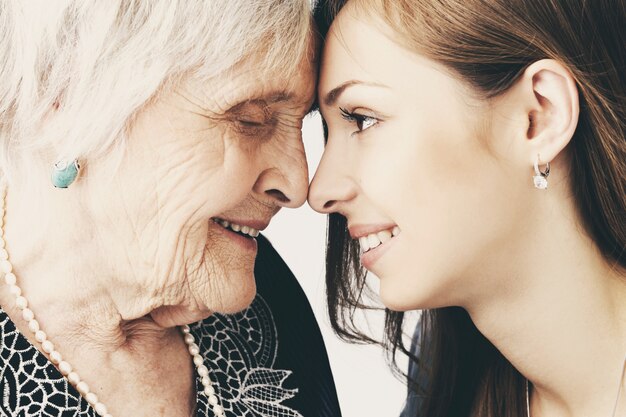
point(64, 173)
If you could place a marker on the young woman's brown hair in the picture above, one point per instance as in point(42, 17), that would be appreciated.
point(489, 44)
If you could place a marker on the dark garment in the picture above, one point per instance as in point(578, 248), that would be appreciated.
point(269, 360)
point(413, 400)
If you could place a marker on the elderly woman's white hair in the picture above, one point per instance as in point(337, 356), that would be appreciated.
point(96, 63)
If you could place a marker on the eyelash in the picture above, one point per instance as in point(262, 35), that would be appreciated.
point(359, 119)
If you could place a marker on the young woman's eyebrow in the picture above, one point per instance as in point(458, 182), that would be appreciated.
point(333, 95)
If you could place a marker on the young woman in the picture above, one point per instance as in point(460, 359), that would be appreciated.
point(476, 161)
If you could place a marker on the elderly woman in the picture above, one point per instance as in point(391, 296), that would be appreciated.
point(144, 146)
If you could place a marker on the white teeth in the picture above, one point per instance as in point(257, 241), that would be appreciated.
point(246, 230)
point(384, 236)
point(374, 240)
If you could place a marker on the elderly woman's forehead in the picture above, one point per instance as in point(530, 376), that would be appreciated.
point(296, 98)
point(252, 79)
point(295, 85)
point(221, 93)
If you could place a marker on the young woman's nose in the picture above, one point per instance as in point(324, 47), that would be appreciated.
point(331, 187)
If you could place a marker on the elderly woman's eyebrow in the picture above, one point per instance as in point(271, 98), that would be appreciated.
point(270, 97)
point(279, 96)
point(274, 97)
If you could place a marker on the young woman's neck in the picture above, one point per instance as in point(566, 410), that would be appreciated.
point(559, 316)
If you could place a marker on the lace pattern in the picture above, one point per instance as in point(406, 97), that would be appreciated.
point(240, 350)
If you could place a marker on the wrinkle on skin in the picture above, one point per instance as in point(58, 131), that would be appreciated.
point(131, 249)
point(145, 232)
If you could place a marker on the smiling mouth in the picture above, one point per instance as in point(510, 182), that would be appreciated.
point(374, 240)
point(244, 231)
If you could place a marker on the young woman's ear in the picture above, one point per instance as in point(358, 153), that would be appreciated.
point(548, 93)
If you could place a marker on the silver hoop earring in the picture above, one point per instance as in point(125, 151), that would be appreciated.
point(540, 179)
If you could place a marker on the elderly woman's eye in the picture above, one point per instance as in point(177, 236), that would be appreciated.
point(256, 128)
point(252, 118)
point(251, 122)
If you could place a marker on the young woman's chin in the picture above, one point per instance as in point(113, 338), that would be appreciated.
point(400, 294)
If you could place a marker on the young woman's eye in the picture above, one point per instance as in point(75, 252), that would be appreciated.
point(362, 121)
point(366, 122)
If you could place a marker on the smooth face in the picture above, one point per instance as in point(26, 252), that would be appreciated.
point(226, 150)
point(412, 160)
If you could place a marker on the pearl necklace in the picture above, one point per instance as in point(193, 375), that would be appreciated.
point(55, 357)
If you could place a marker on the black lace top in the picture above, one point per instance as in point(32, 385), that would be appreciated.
point(268, 361)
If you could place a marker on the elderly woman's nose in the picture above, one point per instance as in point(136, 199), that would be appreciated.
point(286, 181)
point(330, 187)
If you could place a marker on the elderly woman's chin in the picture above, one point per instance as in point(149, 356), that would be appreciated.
point(217, 278)
point(222, 291)
point(225, 276)
point(230, 282)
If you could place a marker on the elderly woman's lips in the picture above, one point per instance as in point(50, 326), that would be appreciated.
point(246, 230)
point(245, 240)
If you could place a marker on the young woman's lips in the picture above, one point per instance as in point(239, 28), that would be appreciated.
point(369, 258)
point(383, 236)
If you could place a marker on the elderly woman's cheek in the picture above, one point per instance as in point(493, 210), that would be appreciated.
point(216, 169)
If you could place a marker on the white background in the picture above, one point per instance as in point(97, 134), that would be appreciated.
point(364, 382)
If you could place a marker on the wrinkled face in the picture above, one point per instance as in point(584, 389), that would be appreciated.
point(207, 167)
point(411, 163)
